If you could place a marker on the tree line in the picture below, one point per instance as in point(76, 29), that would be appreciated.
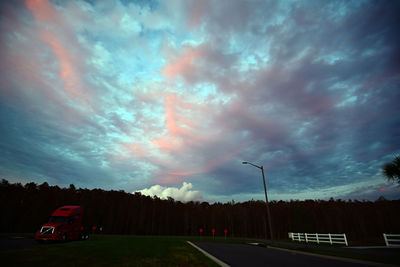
point(26, 207)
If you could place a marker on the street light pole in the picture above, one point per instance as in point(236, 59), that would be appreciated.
point(266, 197)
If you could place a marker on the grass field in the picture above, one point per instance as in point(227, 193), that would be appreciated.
point(109, 250)
point(113, 250)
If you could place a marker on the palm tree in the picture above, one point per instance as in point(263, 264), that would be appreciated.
point(392, 170)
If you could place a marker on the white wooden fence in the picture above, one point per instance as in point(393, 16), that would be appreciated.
point(319, 238)
point(392, 240)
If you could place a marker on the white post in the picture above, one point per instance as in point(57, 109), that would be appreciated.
point(290, 235)
point(330, 238)
point(306, 238)
point(317, 237)
point(386, 241)
point(345, 239)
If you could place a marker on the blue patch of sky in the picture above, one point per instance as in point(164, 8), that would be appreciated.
point(340, 10)
point(152, 34)
point(125, 114)
point(129, 25)
point(152, 4)
point(153, 117)
point(331, 58)
point(249, 62)
point(182, 38)
point(204, 90)
point(127, 61)
point(351, 97)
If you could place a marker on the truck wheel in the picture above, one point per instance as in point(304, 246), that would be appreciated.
point(82, 236)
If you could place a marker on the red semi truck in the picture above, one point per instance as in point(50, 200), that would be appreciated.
point(64, 224)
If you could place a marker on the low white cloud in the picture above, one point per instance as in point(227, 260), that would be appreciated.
point(184, 194)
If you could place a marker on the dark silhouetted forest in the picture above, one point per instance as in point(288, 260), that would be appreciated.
point(25, 207)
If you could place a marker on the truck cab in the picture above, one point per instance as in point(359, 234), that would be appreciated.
point(64, 224)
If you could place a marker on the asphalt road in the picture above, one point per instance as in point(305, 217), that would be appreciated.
point(248, 255)
point(17, 242)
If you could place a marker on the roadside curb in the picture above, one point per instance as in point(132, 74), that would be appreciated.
point(217, 261)
point(333, 257)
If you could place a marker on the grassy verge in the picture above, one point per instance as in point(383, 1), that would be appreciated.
point(109, 250)
point(348, 253)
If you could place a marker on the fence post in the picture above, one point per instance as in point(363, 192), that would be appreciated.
point(345, 240)
point(386, 241)
point(330, 238)
point(317, 237)
point(306, 238)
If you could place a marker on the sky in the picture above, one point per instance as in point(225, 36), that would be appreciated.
point(169, 97)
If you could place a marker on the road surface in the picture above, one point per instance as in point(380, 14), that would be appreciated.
point(248, 255)
point(16, 242)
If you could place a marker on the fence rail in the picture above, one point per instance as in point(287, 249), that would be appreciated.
point(392, 240)
point(319, 238)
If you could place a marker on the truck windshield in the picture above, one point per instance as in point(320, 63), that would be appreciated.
point(59, 219)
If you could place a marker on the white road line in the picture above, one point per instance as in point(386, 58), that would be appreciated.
point(217, 261)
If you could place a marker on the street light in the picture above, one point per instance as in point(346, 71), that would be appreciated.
point(266, 197)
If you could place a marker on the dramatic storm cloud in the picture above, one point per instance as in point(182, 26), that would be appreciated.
point(152, 94)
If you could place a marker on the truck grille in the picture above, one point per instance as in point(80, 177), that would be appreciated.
point(47, 230)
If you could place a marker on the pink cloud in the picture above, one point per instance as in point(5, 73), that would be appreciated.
point(183, 127)
point(46, 13)
point(175, 122)
point(186, 147)
point(68, 72)
point(177, 126)
point(168, 144)
point(182, 65)
point(181, 172)
point(42, 10)
point(197, 12)
point(137, 149)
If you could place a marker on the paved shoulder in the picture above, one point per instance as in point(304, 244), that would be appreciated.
point(15, 242)
point(248, 255)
